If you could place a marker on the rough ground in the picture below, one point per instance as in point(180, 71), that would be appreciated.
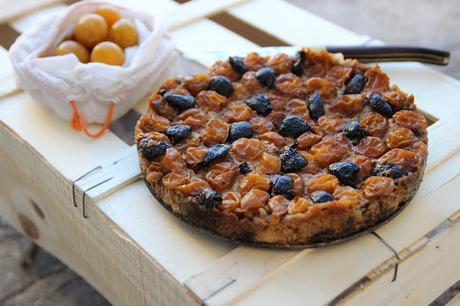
point(47, 282)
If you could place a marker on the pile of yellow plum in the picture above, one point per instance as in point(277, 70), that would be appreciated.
point(101, 37)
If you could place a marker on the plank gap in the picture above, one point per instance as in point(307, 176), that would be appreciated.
point(8, 37)
point(447, 295)
point(430, 119)
point(124, 126)
point(247, 31)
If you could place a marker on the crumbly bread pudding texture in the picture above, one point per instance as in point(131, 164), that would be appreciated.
point(284, 150)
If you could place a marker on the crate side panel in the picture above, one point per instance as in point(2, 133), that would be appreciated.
point(96, 247)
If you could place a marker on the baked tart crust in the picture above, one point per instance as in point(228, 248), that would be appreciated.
point(284, 150)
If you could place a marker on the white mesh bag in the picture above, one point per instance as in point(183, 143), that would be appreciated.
point(93, 92)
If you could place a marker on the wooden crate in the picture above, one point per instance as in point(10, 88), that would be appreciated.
point(107, 226)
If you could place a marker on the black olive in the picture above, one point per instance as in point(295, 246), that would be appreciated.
point(239, 130)
point(181, 102)
point(293, 126)
point(355, 84)
point(291, 160)
point(151, 148)
point(266, 77)
point(344, 171)
point(290, 194)
point(315, 106)
point(215, 152)
point(282, 185)
point(221, 85)
point(260, 103)
point(238, 64)
point(321, 196)
point(379, 104)
point(244, 168)
point(297, 66)
point(354, 131)
point(392, 170)
point(210, 198)
point(177, 133)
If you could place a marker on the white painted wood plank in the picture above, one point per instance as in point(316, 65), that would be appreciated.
point(117, 172)
point(7, 83)
point(206, 35)
point(294, 25)
point(239, 272)
point(12, 9)
point(26, 22)
point(444, 139)
point(321, 274)
point(181, 249)
point(71, 152)
point(196, 10)
point(157, 7)
point(421, 278)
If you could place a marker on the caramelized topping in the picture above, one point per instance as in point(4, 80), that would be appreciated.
point(264, 137)
point(254, 181)
point(216, 131)
point(221, 176)
point(247, 149)
point(254, 200)
point(172, 162)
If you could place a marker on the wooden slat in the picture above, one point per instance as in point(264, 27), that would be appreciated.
point(7, 83)
point(213, 37)
point(239, 272)
point(180, 248)
point(116, 173)
point(8, 36)
point(246, 30)
point(446, 143)
point(196, 10)
point(294, 25)
point(157, 7)
point(320, 274)
point(20, 8)
point(26, 22)
point(71, 153)
point(422, 278)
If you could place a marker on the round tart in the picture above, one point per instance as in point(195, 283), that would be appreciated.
point(283, 150)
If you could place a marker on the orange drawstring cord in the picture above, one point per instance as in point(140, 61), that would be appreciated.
point(78, 122)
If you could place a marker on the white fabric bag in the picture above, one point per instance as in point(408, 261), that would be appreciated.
point(96, 89)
